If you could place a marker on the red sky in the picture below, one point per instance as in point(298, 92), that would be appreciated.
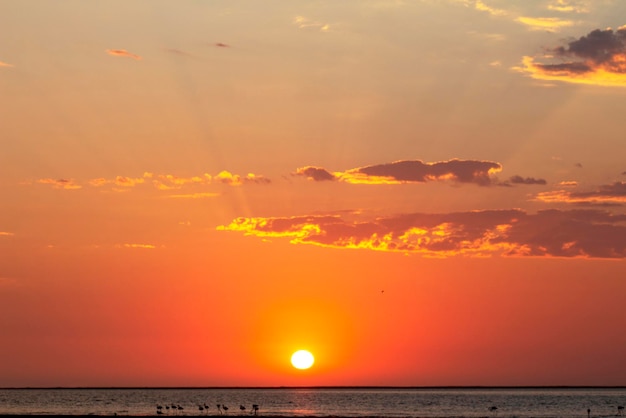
point(418, 192)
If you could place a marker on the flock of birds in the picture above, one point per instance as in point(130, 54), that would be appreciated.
point(620, 411)
point(223, 409)
point(203, 408)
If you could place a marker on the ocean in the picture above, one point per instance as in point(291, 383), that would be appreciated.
point(320, 402)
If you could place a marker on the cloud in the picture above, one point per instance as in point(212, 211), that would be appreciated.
point(4, 64)
point(66, 184)
point(610, 194)
point(137, 246)
point(480, 5)
point(416, 171)
point(568, 6)
point(305, 23)
point(578, 165)
point(544, 23)
point(568, 183)
point(123, 181)
point(160, 181)
point(315, 173)
point(221, 45)
point(598, 58)
point(550, 233)
point(6, 234)
point(527, 180)
point(122, 53)
point(226, 177)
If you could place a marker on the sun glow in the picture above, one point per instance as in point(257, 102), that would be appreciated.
point(302, 359)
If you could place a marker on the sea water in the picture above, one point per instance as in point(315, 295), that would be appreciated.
point(320, 402)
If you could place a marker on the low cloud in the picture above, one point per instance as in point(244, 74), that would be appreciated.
point(526, 180)
point(122, 53)
point(598, 58)
point(315, 173)
point(410, 171)
point(609, 194)
point(550, 233)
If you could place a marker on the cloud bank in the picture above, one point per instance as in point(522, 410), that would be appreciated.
point(550, 233)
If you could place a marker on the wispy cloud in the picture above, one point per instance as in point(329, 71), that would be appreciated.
point(550, 233)
point(306, 23)
point(163, 182)
point(122, 53)
point(598, 58)
point(6, 234)
point(483, 7)
point(137, 246)
point(5, 64)
point(544, 23)
point(569, 6)
point(614, 194)
point(66, 184)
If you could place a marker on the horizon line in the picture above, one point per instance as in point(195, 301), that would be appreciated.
point(322, 387)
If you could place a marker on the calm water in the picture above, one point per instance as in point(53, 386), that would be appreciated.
point(339, 402)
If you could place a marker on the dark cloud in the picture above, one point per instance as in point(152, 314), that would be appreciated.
point(597, 58)
point(221, 45)
point(550, 233)
point(598, 46)
point(315, 173)
point(416, 171)
point(579, 165)
point(526, 180)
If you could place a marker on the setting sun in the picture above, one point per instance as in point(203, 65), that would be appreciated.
point(302, 359)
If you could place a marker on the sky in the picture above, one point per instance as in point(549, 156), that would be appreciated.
point(419, 192)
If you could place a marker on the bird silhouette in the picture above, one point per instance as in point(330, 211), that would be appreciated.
point(255, 408)
point(225, 408)
point(620, 410)
point(242, 408)
point(219, 408)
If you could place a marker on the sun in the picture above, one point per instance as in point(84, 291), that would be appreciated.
point(302, 359)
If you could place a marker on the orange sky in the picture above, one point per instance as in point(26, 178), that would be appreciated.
point(424, 192)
